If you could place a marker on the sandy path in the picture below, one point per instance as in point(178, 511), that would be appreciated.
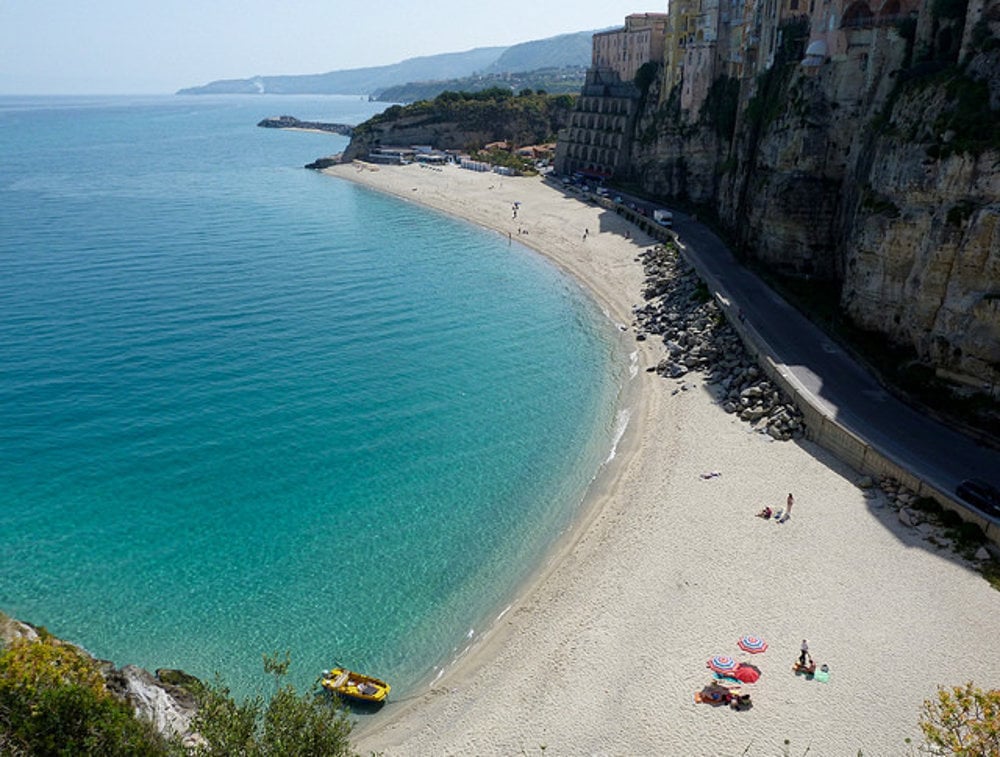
point(603, 652)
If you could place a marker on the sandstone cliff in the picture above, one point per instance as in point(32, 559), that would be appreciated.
point(870, 174)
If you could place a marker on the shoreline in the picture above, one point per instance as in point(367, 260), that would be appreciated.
point(604, 648)
point(553, 241)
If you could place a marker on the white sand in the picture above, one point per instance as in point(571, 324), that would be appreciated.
point(603, 653)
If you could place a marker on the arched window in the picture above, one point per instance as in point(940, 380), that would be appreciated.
point(890, 8)
point(858, 14)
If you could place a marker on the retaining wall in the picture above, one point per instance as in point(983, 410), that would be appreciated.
point(823, 429)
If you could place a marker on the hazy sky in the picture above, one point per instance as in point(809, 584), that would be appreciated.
point(145, 46)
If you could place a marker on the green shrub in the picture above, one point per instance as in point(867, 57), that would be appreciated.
point(960, 213)
point(53, 702)
point(720, 107)
point(963, 720)
point(288, 725)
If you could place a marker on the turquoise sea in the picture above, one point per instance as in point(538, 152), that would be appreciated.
point(247, 408)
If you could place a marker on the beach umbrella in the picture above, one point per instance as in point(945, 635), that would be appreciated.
point(746, 673)
point(752, 644)
point(722, 664)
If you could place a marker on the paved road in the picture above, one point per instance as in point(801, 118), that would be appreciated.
point(939, 455)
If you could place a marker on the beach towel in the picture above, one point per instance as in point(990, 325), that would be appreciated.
point(726, 680)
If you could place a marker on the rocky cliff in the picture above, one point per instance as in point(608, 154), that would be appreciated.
point(872, 174)
point(464, 121)
point(922, 245)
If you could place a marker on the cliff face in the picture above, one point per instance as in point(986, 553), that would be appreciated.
point(418, 130)
point(866, 173)
point(464, 121)
point(671, 156)
point(924, 266)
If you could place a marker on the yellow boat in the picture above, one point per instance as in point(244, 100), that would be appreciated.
point(357, 686)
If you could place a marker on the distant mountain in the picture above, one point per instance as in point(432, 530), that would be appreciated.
point(566, 50)
point(554, 81)
point(356, 81)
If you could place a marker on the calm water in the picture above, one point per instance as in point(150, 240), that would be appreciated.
point(247, 408)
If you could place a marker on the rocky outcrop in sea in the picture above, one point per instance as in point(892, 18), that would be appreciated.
point(680, 311)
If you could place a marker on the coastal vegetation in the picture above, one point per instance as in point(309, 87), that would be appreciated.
point(55, 700)
point(535, 114)
point(962, 720)
point(285, 724)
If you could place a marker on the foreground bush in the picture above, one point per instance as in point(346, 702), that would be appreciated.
point(962, 721)
point(289, 724)
point(53, 701)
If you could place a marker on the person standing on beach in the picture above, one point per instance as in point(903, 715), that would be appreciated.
point(788, 504)
point(804, 653)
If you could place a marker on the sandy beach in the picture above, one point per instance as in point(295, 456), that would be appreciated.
point(603, 652)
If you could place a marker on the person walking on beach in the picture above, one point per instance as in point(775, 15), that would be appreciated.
point(804, 653)
point(788, 504)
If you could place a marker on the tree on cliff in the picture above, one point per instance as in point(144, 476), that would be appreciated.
point(963, 721)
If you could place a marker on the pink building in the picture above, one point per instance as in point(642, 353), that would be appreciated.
point(624, 51)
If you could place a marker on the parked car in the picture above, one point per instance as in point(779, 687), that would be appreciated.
point(982, 495)
point(663, 217)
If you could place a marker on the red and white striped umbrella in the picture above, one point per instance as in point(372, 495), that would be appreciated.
point(722, 664)
point(752, 644)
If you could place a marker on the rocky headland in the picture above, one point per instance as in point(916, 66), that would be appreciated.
point(290, 122)
point(465, 121)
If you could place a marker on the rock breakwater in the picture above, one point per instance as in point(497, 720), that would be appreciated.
point(680, 310)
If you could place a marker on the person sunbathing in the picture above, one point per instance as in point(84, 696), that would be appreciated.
point(765, 513)
point(803, 667)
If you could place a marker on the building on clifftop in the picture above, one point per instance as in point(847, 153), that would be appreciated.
point(595, 143)
point(626, 50)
